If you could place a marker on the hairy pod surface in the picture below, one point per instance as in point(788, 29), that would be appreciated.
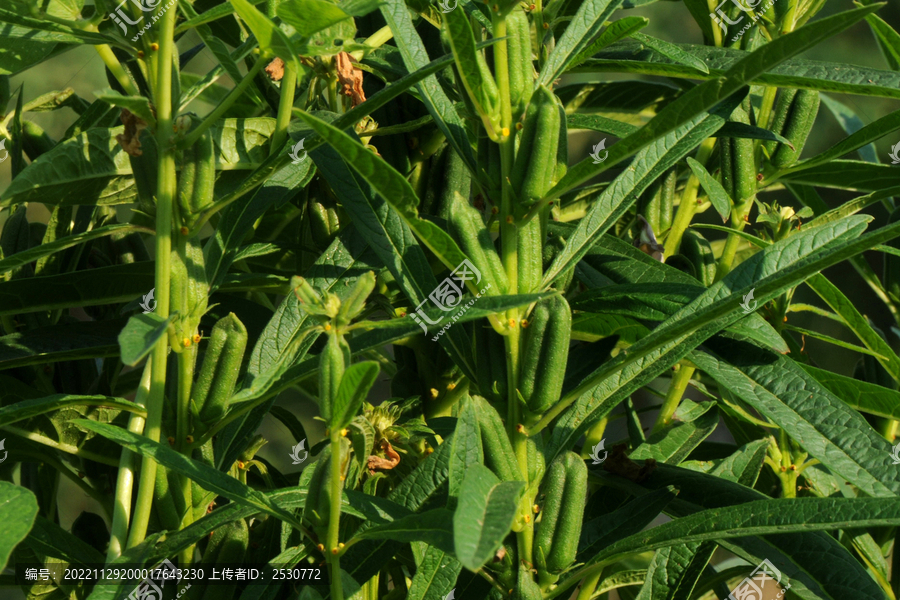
point(220, 370)
point(802, 116)
point(565, 490)
point(536, 159)
point(521, 67)
point(498, 452)
point(490, 364)
point(468, 228)
point(545, 351)
point(197, 181)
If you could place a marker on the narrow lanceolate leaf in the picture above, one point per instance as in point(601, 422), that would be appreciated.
point(71, 341)
point(19, 411)
point(140, 336)
point(768, 272)
point(205, 476)
point(624, 191)
point(473, 71)
point(888, 40)
point(623, 522)
point(816, 564)
point(847, 175)
point(466, 450)
point(819, 421)
point(674, 444)
point(46, 537)
point(586, 23)
point(483, 516)
point(863, 396)
point(705, 96)
point(270, 37)
point(435, 576)
point(37, 252)
point(432, 527)
point(392, 186)
point(674, 571)
point(355, 385)
point(617, 30)
point(759, 517)
point(718, 197)
point(18, 508)
point(627, 57)
point(672, 51)
point(415, 57)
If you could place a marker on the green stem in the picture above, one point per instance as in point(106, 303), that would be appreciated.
point(334, 518)
point(285, 104)
point(442, 406)
point(185, 379)
point(734, 240)
point(62, 447)
point(115, 67)
point(688, 203)
point(677, 387)
point(125, 478)
point(225, 104)
point(166, 188)
point(588, 585)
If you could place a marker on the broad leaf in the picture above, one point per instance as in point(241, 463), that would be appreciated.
point(484, 515)
point(18, 509)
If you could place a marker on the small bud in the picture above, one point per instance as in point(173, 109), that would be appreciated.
point(186, 342)
point(494, 210)
point(434, 393)
point(154, 46)
point(528, 518)
point(524, 323)
point(783, 469)
point(536, 509)
point(532, 7)
point(341, 545)
point(793, 467)
point(196, 338)
point(344, 432)
point(140, 54)
point(321, 547)
point(334, 550)
point(505, 132)
point(546, 26)
point(451, 386)
point(520, 428)
point(190, 439)
point(327, 326)
point(512, 323)
point(171, 440)
point(496, 8)
point(184, 231)
point(240, 464)
point(509, 220)
point(519, 126)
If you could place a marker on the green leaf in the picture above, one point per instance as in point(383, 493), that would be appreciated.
point(138, 105)
point(825, 426)
point(736, 129)
point(585, 24)
point(269, 35)
point(888, 40)
point(205, 476)
point(674, 571)
point(846, 175)
point(435, 576)
point(310, 16)
point(483, 516)
point(25, 409)
point(671, 51)
point(431, 527)
point(473, 71)
point(415, 57)
point(705, 96)
point(674, 444)
point(78, 340)
point(616, 30)
point(140, 335)
point(612, 203)
point(600, 123)
point(210, 15)
point(466, 450)
point(18, 508)
point(19, 259)
point(355, 385)
point(48, 538)
point(627, 57)
point(863, 396)
point(718, 197)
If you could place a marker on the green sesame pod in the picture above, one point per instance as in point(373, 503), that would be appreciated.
point(498, 452)
point(490, 363)
point(526, 588)
point(529, 244)
point(318, 499)
point(355, 301)
point(198, 179)
point(468, 229)
point(521, 67)
point(535, 164)
point(557, 533)
point(699, 252)
point(324, 221)
point(448, 176)
point(220, 370)
point(656, 204)
point(738, 164)
point(534, 447)
point(545, 351)
point(164, 503)
point(15, 235)
point(553, 246)
point(332, 362)
point(799, 123)
point(228, 546)
point(780, 114)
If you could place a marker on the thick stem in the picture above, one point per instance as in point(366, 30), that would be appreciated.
point(285, 105)
point(334, 518)
point(225, 104)
point(125, 478)
point(677, 387)
point(588, 585)
point(166, 188)
point(688, 203)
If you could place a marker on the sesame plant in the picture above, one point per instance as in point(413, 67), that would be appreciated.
point(536, 375)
